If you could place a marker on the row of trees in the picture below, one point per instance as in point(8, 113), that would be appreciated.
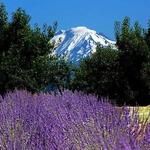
point(25, 54)
point(26, 62)
point(123, 74)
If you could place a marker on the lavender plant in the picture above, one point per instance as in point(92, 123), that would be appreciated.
point(71, 121)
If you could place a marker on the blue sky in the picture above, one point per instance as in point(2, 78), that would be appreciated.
point(99, 15)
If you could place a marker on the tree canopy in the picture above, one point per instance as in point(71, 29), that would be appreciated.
point(26, 59)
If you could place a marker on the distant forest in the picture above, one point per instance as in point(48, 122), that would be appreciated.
point(26, 62)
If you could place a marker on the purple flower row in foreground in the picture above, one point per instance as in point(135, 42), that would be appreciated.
point(71, 121)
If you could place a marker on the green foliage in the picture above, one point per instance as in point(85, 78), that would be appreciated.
point(52, 71)
point(123, 74)
point(133, 56)
point(98, 74)
point(3, 29)
point(26, 59)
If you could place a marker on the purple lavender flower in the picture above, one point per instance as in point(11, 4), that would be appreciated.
point(70, 121)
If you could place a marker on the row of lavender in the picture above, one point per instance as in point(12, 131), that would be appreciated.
point(71, 121)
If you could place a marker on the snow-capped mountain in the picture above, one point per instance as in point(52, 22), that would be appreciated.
point(78, 43)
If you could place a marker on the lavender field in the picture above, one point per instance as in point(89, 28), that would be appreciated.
point(71, 121)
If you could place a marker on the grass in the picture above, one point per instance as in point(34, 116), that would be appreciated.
point(143, 111)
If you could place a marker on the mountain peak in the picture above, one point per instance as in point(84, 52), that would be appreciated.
point(82, 29)
point(79, 42)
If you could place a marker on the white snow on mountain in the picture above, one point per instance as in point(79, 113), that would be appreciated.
point(78, 43)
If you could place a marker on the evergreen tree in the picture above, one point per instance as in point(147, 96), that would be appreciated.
point(133, 54)
point(3, 45)
point(147, 35)
point(25, 54)
point(98, 74)
point(3, 28)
